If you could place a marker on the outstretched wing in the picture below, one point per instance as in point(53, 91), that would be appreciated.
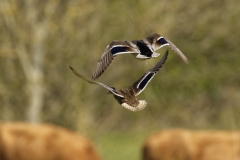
point(177, 51)
point(112, 50)
point(142, 82)
point(95, 82)
point(157, 42)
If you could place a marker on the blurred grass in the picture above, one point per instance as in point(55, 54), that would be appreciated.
point(120, 145)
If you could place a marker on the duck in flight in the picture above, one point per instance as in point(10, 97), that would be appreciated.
point(127, 97)
point(145, 49)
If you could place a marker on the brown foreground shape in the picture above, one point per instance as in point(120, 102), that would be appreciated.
point(192, 145)
point(22, 141)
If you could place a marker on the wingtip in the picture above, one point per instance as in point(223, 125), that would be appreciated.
point(93, 78)
point(166, 52)
point(185, 60)
point(177, 51)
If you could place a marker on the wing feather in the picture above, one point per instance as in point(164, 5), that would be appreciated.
point(177, 51)
point(143, 81)
point(157, 42)
point(94, 82)
point(112, 50)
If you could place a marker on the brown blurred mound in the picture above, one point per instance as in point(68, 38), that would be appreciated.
point(22, 141)
point(192, 145)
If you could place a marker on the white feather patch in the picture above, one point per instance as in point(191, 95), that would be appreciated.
point(142, 104)
point(154, 55)
point(140, 56)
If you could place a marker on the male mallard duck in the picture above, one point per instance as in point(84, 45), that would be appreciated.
point(127, 97)
point(145, 49)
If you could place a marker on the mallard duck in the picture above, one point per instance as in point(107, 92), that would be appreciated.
point(145, 49)
point(127, 97)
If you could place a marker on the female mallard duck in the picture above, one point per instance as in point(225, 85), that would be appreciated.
point(127, 97)
point(145, 49)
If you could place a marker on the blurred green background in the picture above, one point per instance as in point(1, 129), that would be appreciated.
point(40, 39)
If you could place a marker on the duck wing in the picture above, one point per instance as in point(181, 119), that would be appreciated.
point(143, 81)
point(177, 51)
point(157, 42)
point(95, 82)
point(111, 51)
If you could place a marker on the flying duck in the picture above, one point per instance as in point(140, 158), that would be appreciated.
point(145, 49)
point(127, 97)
